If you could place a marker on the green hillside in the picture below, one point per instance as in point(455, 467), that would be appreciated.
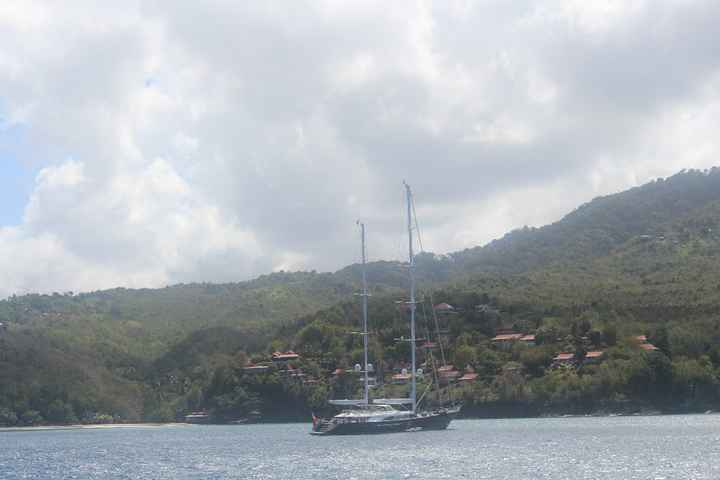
point(598, 227)
point(145, 323)
point(641, 262)
point(121, 336)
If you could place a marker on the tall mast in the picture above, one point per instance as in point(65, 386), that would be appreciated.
point(364, 294)
point(411, 274)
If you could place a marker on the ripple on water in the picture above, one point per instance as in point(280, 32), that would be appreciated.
point(626, 448)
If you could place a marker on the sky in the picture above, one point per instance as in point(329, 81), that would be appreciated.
point(147, 143)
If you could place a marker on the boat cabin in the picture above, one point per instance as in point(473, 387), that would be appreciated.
point(370, 413)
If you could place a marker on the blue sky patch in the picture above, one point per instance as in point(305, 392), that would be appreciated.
point(17, 176)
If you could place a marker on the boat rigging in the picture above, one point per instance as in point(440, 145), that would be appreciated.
point(368, 416)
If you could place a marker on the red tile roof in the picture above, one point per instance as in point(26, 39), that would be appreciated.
point(594, 354)
point(564, 356)
point(507, 337)
point(468, 377)
point(648, 347)
point(289, 355)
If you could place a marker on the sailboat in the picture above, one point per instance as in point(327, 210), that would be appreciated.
point(384, 415)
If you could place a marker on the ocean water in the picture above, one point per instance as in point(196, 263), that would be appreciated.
point(662, 447)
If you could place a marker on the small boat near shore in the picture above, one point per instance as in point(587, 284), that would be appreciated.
point(198, 418)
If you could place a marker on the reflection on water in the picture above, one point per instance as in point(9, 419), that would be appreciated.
point(669, 447)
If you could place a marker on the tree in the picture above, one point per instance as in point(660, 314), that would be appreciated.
point(610, 335)
point(464, 355)
point(8, 418)
point(60, 412)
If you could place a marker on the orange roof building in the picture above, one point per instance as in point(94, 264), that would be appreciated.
point(401, 378)
point(507, 337)
point(284, 356)
point(468, 377)
point(564, 357)
point(447, 373)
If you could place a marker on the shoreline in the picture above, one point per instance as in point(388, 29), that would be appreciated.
point(94, 426)
point(102, 426)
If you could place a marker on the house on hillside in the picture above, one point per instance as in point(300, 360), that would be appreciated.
point(292, 372)
point(284, 357)
point(298, 375)
point(644, 344)
point(447, 374)
point(256, 369)
point(563, 358)
point(469, 375)
point(505, 339)
point(401, 378)
point(594, 356)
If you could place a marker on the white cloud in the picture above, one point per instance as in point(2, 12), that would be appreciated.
point(218, 140)
point(138, 228)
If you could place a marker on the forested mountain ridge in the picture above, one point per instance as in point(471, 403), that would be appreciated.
point(597, 227)
point(676, 208)
point(146, 322)
point(644, 261)
point(115, 340)
point(671, 270)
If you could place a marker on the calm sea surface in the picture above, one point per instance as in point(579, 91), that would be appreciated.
point(669, 447)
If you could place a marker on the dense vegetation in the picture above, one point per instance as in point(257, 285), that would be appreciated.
point(642, 262)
